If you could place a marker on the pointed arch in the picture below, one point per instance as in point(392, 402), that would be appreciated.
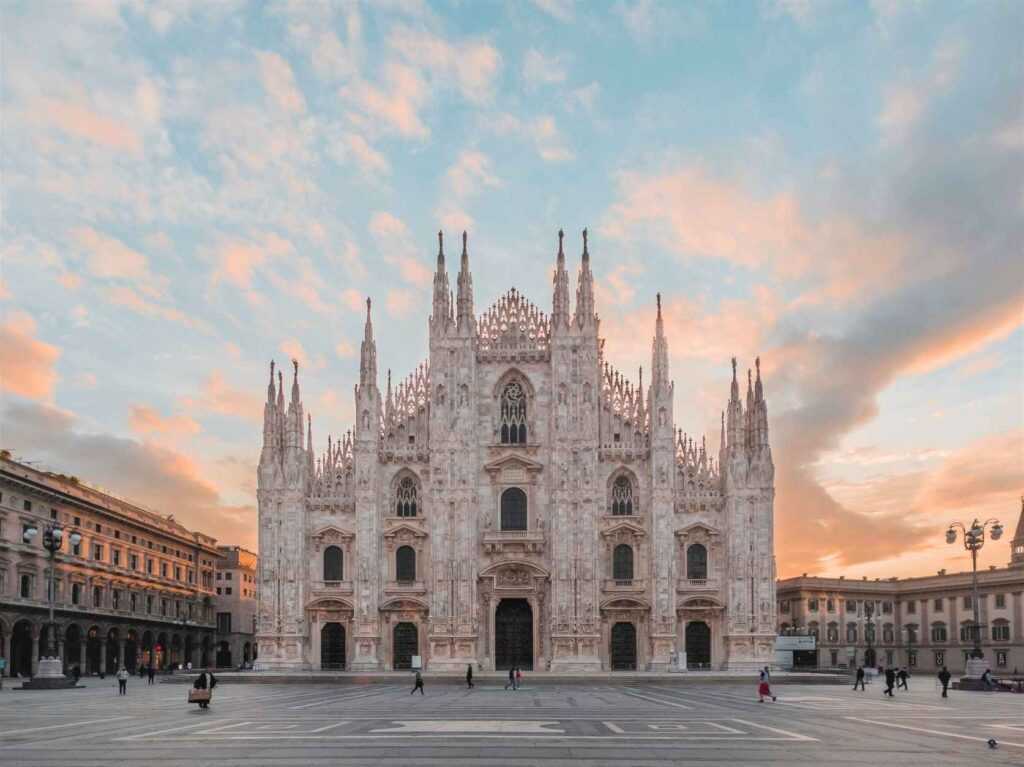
point(406, 494)
point(623, 490)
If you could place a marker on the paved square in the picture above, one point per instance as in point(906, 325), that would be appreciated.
point(548, 723)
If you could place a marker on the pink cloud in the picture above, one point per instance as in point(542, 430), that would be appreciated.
point(472, 66)
point(82, 122)
point(217, 396)
point(122, 295)
point(399, 302)
point(398, 105)
point(27, 364)
point(110, 258)
point(147, 420)
point(396, 245)
point(279, 82)
point(294, 350)
point(236, 262)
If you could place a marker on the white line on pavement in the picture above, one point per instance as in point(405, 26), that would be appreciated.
point(929, 731)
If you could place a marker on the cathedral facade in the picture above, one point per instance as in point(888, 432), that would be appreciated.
point(515, 501)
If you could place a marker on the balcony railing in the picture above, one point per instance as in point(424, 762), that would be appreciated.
point(698, 584)
point(624, 584)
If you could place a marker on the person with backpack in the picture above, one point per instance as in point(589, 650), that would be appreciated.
point(944, 677)
point(890, 681)
point(419, 684)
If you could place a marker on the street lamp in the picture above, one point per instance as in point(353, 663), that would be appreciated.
point(974, 539)
point(51, 666)
point(869, 633)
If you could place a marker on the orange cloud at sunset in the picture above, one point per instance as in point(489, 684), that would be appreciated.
point(146, 420)
point(217, 396)
point(82, 122)
point(26, 363)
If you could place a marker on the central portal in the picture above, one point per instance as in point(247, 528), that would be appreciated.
point(513, 635)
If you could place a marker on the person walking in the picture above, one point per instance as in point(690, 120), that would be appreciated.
point(944, 677)
point(986, 679)
point(469, 676)
point(76, 674)
point(511, 679)
point(903, 676)
point(204, 682)
point(890, 681)
point(764, 689)
point(419, 684)
point(122, 681)
point(151, 673)
point(859, 679)
point(519, 677)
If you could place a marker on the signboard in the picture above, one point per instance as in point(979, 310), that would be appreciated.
point(417, 661)
point(795, 642)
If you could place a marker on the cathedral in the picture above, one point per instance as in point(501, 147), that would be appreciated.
point(516, 501)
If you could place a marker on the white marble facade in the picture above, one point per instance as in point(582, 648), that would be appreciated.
point(515, 501)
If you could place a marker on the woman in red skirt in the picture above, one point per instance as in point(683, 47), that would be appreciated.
point(764, 691)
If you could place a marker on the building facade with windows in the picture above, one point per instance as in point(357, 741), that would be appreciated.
point(235, 606)
point(922, 623)
point(137, 589)
point(515, 501)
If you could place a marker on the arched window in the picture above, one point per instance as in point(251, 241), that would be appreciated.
point(622, 497)
point(333, 564)
point(513, 414)
point(622, 562)
point(697, 562)
point(851, 632)
point(513, 509)
point(405, 498)
point(1000, 630)
point(939, 632)
point(405, 564)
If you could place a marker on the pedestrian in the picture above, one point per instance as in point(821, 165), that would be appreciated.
point(142, 671)
point(204, 682)
point(903, 676)
point(122, 681)
point(419, 684)
point(764, 689)
point(469, 676)
point(188, 667)
point(859, 679)
point(151, 673)
point(767, 675)
point(76, 674)
point(890, 681)
point(519, 678)
point(511, 679)
point(944, 677)
point(986, 679)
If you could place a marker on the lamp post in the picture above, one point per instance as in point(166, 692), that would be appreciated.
point(51, 666)
point(974, 539)
point(869, 633)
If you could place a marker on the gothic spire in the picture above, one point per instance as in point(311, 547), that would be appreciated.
point(1017, 544)
point(659, 353)
point(295, 382)
point(368, 353)
point(560, 302)
point(758, 387)
point(442, 309)
point(735, 421)
point(585, 289)
point(280, 391)
point(270, 386)
point(734, 394)
point(464, 302)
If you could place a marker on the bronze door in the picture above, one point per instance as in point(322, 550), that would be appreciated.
point(623, 647)
point(513, 635)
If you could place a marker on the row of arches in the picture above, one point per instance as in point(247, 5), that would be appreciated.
point(96, 650)
point(333, 652)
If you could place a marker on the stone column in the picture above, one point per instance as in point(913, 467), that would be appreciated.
point(314, 640)
point(103, 657)
point(81, 652)
point(120, 653)
point(492, 608)
point(35, 651)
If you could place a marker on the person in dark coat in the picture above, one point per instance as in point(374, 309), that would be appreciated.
point(469, 676)
point(903, 676)
point(890, 681)
point(944, 677)
point(511, 679)
point(76, 674)
point(418, 685)
point(151, 672)
point(204, 682)
point(859, 679)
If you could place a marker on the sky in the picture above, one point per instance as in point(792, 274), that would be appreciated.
point(190, 189)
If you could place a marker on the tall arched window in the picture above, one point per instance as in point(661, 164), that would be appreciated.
point(622, 562)
point(697, 562)
point(333, 564)
point(513, 414)
point(513, 509)
point(622, 497)
point(405, 564)
point(405, 498)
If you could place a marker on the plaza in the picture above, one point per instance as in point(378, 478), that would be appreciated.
point(594, 720)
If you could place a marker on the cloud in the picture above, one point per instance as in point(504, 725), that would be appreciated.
point(399, 302)
point(109, 258)
point(292, 349)
point(397, 248)
point(82, 122)
point(472, 66)
point(562, 10)
point(345, 350)
point(652, 20)
point(463, 181)
point(585, 97)
point(146, 420)
point(156, 477)
point(907, 99)
point(217, 396)
point(279, 82)
point(366, 158)
point(27, 365)
point(397, 106)
point(539, 69)
point(541, 131)
point(122, 295)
